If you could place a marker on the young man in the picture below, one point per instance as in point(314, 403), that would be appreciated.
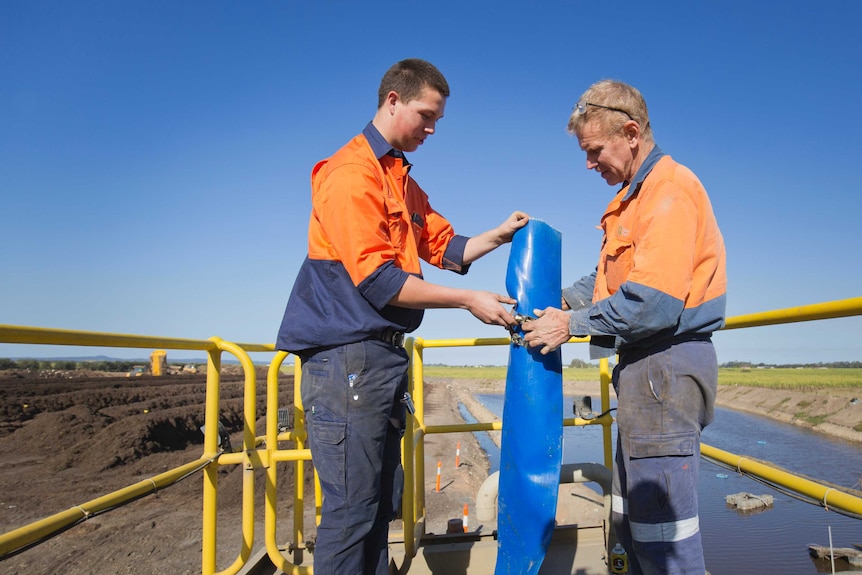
point(656, 296)
point(357, 293)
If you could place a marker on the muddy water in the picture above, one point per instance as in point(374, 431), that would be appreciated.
point(771, 541)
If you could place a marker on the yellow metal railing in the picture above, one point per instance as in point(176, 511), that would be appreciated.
point(414, 460)
point(829, 496)
point(299, 454)
point(827, 310)
point(28, 535)
point(260, 454)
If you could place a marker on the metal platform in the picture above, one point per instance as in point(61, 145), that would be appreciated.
point(573, 550)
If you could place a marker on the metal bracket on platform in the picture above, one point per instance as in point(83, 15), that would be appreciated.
point(582, 406)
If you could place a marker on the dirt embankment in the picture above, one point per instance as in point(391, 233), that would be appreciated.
point(834, 412)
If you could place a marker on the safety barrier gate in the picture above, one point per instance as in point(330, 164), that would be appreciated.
point(260, 454)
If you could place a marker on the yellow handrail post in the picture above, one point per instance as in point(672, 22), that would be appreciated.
point(298, 455)
point(419, 511)
point(210, 490)
point(413, 502)
point(299, 466)
point(408, 461)
point(607, 436)
point(250, 456)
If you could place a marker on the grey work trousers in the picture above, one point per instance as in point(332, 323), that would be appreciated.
point(665, 397)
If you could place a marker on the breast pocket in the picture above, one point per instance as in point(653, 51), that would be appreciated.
point(398, 226)
point(619, 259)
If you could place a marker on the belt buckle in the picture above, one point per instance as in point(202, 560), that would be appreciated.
point(397, 339)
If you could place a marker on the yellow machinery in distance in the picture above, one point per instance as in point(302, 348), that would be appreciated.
point(158, 365)
point(159, 362)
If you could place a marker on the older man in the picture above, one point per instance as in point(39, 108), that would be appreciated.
point(655, 298)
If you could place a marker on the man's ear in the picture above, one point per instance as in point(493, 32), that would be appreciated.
point(392, 98)
point(632, 131)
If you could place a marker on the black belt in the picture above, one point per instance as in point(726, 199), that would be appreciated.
point(637, 352)
point(392, 337)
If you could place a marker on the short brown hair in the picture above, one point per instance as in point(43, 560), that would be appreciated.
point(626, 101)
point(408, 78)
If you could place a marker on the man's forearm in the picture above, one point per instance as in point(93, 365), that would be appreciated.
point(485, 242)
point(478, 246)
point(485, 306)
point(419, 294)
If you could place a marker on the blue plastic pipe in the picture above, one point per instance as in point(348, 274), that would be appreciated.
point(531, 447)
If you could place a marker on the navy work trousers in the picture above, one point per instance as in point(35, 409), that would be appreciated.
point(355, 422)
point(665, 397)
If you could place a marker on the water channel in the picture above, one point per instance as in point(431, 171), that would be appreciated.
point(774, 540)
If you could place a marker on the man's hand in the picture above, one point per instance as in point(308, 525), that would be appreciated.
point(513, 223)
point(548, 331)
point(488, 308)
point(478, 246)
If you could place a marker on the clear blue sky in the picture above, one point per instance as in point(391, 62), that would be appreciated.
point(155, 156)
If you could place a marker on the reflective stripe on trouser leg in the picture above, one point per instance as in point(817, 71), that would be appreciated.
point(349, 394)
point(665, 398)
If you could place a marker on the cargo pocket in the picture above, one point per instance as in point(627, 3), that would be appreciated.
point(329, 456)
point(661, 477)
point(674, 444)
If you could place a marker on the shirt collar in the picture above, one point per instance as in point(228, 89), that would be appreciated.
point(649, 163)
point(379, 145)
